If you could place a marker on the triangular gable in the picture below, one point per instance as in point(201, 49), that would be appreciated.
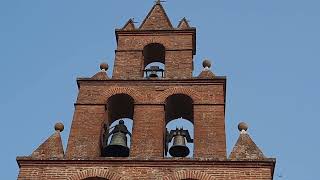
point(51, 149)
point(183, 24)
point(157, 19)
point(129, 26)
point(102, 75)
point(246, 149)
point(206, 74)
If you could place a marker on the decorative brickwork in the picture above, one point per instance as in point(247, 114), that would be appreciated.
point(136, 95)
point(156, 19)
point(194, 95)
point(206, 74)
point(100, 76)
point(209, 91)
point(50, 149)
point(183, 24)
point(130, 169)
point(190, 175)
point(129, 26)
point(246, 149)
point(95, 172)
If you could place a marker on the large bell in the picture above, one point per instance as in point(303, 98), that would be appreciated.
point(179, 148)
point(118, 146)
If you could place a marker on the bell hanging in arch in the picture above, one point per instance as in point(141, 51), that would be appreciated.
point(118, 145)
point(179, 148)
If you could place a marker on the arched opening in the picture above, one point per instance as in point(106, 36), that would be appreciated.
point(154, 60)
point(117, 130)
point(120, 106)
point(95, 178)
point(179, 132)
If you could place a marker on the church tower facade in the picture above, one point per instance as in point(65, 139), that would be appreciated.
point(123, 126)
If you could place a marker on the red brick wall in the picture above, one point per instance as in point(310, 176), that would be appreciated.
point(209, 132)
point(149, 170)
point(149, 116)
point(171, 40)
point(179, 64)
point(84, 138)
point(129, 54)
point(152, 92)
point(128, 65)
point(147, 133)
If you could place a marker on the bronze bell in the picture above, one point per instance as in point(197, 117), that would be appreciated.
point(153, 75)
point(179, 148)
point(154, 70)
point(118, 145)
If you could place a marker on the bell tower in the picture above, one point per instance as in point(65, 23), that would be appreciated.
point(152, 119)
point(156, 40)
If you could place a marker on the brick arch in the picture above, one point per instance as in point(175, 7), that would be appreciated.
point(153, 40)
point(136, 95)
point(196, 175)
point(101, 173)
point(194, 95)
point(154, 53)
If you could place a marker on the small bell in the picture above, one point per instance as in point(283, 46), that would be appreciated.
point(118, 144)
point(154, 72)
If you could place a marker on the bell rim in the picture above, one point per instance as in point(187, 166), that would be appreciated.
point(121, 151)
point(186, 150)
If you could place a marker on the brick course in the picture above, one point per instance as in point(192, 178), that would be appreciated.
point(148, 170)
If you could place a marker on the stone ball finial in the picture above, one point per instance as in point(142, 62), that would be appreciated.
point(206, 63)
point(59, 127)
point(243, 126)
point(104, 66)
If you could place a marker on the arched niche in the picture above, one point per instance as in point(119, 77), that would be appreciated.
point(120, 108)
point(179, 115)
point(154, 60)
point(179, 106)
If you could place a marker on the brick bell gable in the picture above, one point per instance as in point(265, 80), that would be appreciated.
point(150, 103)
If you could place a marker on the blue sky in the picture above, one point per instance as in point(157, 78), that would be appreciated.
point(269, 50)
